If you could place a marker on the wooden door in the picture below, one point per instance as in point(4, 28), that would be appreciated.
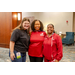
point(8, 22)
point(14, 20)
point(5, 28)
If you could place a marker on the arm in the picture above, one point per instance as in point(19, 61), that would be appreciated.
point(14, 37)
point(59, 49)
point(12, 55)
point(12, 46)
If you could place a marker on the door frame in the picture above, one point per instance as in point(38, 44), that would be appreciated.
point(73, 29)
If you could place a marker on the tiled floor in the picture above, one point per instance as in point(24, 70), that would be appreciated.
point(68, 54)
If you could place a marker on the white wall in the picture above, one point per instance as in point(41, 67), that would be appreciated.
point(30, 14)
point(57, 18)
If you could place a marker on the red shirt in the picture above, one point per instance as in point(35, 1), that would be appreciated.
point(36, 43)
point(52, 47)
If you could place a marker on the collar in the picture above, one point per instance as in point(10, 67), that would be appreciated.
point(37, 31)
point(50, 36)
point(24, 30)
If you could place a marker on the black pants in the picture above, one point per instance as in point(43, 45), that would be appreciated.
point(36, 59)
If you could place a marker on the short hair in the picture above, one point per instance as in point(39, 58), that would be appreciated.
point(50, 24)
point(33, 23)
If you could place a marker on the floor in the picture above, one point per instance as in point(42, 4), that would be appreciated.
point(68, 54)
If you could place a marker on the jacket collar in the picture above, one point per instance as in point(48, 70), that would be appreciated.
point(36, 31)
point(50, 36)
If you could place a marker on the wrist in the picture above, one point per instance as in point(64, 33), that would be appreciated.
point(11, 52)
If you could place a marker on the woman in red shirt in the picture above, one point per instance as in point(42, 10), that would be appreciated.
point(36, 41)
point(52, 46)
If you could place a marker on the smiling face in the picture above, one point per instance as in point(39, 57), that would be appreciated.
point(37, 25)
point(50, 29)
point(26, 25)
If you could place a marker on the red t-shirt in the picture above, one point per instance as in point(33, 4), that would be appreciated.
point(36, 43)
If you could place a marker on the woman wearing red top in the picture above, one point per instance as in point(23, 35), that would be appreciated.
point(36, 41)
point(52, 46)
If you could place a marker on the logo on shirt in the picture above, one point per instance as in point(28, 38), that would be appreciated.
point(41, 34)
point(52, 38)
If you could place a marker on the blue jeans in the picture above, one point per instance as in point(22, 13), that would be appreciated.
point(22, 59)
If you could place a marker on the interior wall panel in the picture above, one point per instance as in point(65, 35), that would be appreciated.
point(7, 23)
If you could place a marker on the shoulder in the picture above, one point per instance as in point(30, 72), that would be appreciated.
point(44, 32)
point(32, 32)
point(17, 30)
point(57, 37)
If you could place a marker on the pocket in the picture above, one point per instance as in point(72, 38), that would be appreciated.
point(54, 55)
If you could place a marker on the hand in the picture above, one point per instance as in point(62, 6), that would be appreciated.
point(12, 56)
point(56, 61)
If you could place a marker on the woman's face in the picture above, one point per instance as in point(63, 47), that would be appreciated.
point(37, 25)
point(26, 25)
point(50, 29)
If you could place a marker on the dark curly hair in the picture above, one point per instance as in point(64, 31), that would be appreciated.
point(33, 23)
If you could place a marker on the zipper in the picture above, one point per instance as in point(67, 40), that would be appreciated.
point(51, 47)
point(52, 56)
point(51, 42)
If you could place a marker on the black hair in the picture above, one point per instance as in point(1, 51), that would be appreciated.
point(52, 26)
point(33, 23)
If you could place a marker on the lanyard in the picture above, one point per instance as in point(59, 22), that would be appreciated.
point(51, 40)
point(52, 33)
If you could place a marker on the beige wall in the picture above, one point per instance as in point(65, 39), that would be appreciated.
point(57, 18)
point(30, 14)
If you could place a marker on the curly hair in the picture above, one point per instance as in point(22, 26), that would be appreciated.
point(33, 23)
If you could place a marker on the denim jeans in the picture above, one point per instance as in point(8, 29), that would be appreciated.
point(22, 59)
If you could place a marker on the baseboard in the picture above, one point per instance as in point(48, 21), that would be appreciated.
point(4, 45)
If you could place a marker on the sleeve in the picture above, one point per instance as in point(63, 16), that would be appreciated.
point(59, 49)
point(15, 35)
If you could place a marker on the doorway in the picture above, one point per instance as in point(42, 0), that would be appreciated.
point(8, 21)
